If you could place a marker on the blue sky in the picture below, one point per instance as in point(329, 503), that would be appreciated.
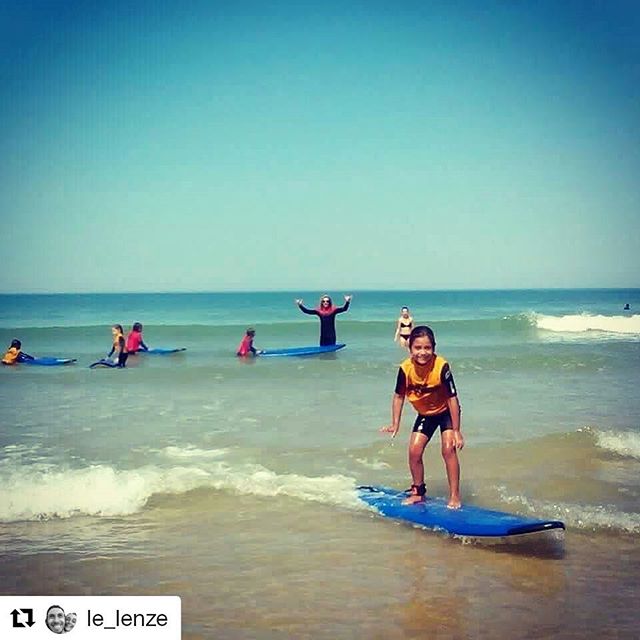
point(208, 146)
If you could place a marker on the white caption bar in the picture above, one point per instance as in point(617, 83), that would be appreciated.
point(90, 617)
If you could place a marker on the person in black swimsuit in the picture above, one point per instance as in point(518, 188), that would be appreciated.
point(327, 314)
point(404, 327)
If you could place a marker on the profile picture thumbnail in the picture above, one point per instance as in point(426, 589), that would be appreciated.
point(59, 622)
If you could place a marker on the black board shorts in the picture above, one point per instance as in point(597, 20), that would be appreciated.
point(427, 425)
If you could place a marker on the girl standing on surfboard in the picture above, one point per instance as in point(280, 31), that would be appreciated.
point(327, 314)
point(426, 380)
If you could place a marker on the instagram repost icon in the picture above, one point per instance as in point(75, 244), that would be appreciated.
point(59, 622)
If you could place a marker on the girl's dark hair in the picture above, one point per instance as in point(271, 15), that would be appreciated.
point(137, 326)
point(420, 332)
point(119, 328)
point(16, 344)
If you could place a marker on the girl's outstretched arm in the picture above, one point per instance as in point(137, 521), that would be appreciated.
point(397, 403)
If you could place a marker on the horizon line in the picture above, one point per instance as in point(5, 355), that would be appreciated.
point(361, 289)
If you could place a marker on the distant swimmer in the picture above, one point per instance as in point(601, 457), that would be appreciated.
point(403, 328)
point(627, 307)
point(327, 314)
point(246, 347)
point(135, 342)
point(15, 354)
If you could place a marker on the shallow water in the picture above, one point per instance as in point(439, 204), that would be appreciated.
point(232, 483)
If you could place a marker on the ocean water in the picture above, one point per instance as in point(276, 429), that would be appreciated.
point(231, 482)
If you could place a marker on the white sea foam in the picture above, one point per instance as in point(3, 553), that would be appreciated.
point(589, 517)
point(584, 323)
point(42, 492)
point(623, 443)
point(193, 452)
point(257, 480)
point(374, 464)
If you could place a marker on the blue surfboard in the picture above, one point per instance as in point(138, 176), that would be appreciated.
point(159, 351)
point(49, 362)
point(301, 351)
point(469, 520)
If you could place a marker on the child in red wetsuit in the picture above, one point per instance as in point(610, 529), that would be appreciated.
point(246, 347)
point(426, 380)
point(135, 342)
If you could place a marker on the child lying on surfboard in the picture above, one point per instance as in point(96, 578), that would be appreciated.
point(15, 354)
point(426, 380)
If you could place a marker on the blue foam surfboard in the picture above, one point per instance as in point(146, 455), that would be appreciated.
point(162, 352)
point(301, 351)
point(469, 520)
point(49, 362)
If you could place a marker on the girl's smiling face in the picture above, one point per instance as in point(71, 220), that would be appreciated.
point(422, 350)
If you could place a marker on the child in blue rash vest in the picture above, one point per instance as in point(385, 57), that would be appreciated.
point(327, 314)
point(426, 380)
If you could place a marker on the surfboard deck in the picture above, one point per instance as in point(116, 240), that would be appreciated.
point(469, 520)
point(160, 351)
point(50, 362)
point(301, 351)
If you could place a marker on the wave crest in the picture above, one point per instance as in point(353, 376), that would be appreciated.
point(622, 443)
point(46, 493)
point(583, 323)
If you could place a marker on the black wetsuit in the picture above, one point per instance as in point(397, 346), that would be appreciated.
point(327, 322)
point(120, 344)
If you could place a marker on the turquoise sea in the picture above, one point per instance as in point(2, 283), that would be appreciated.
point(231, 482)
